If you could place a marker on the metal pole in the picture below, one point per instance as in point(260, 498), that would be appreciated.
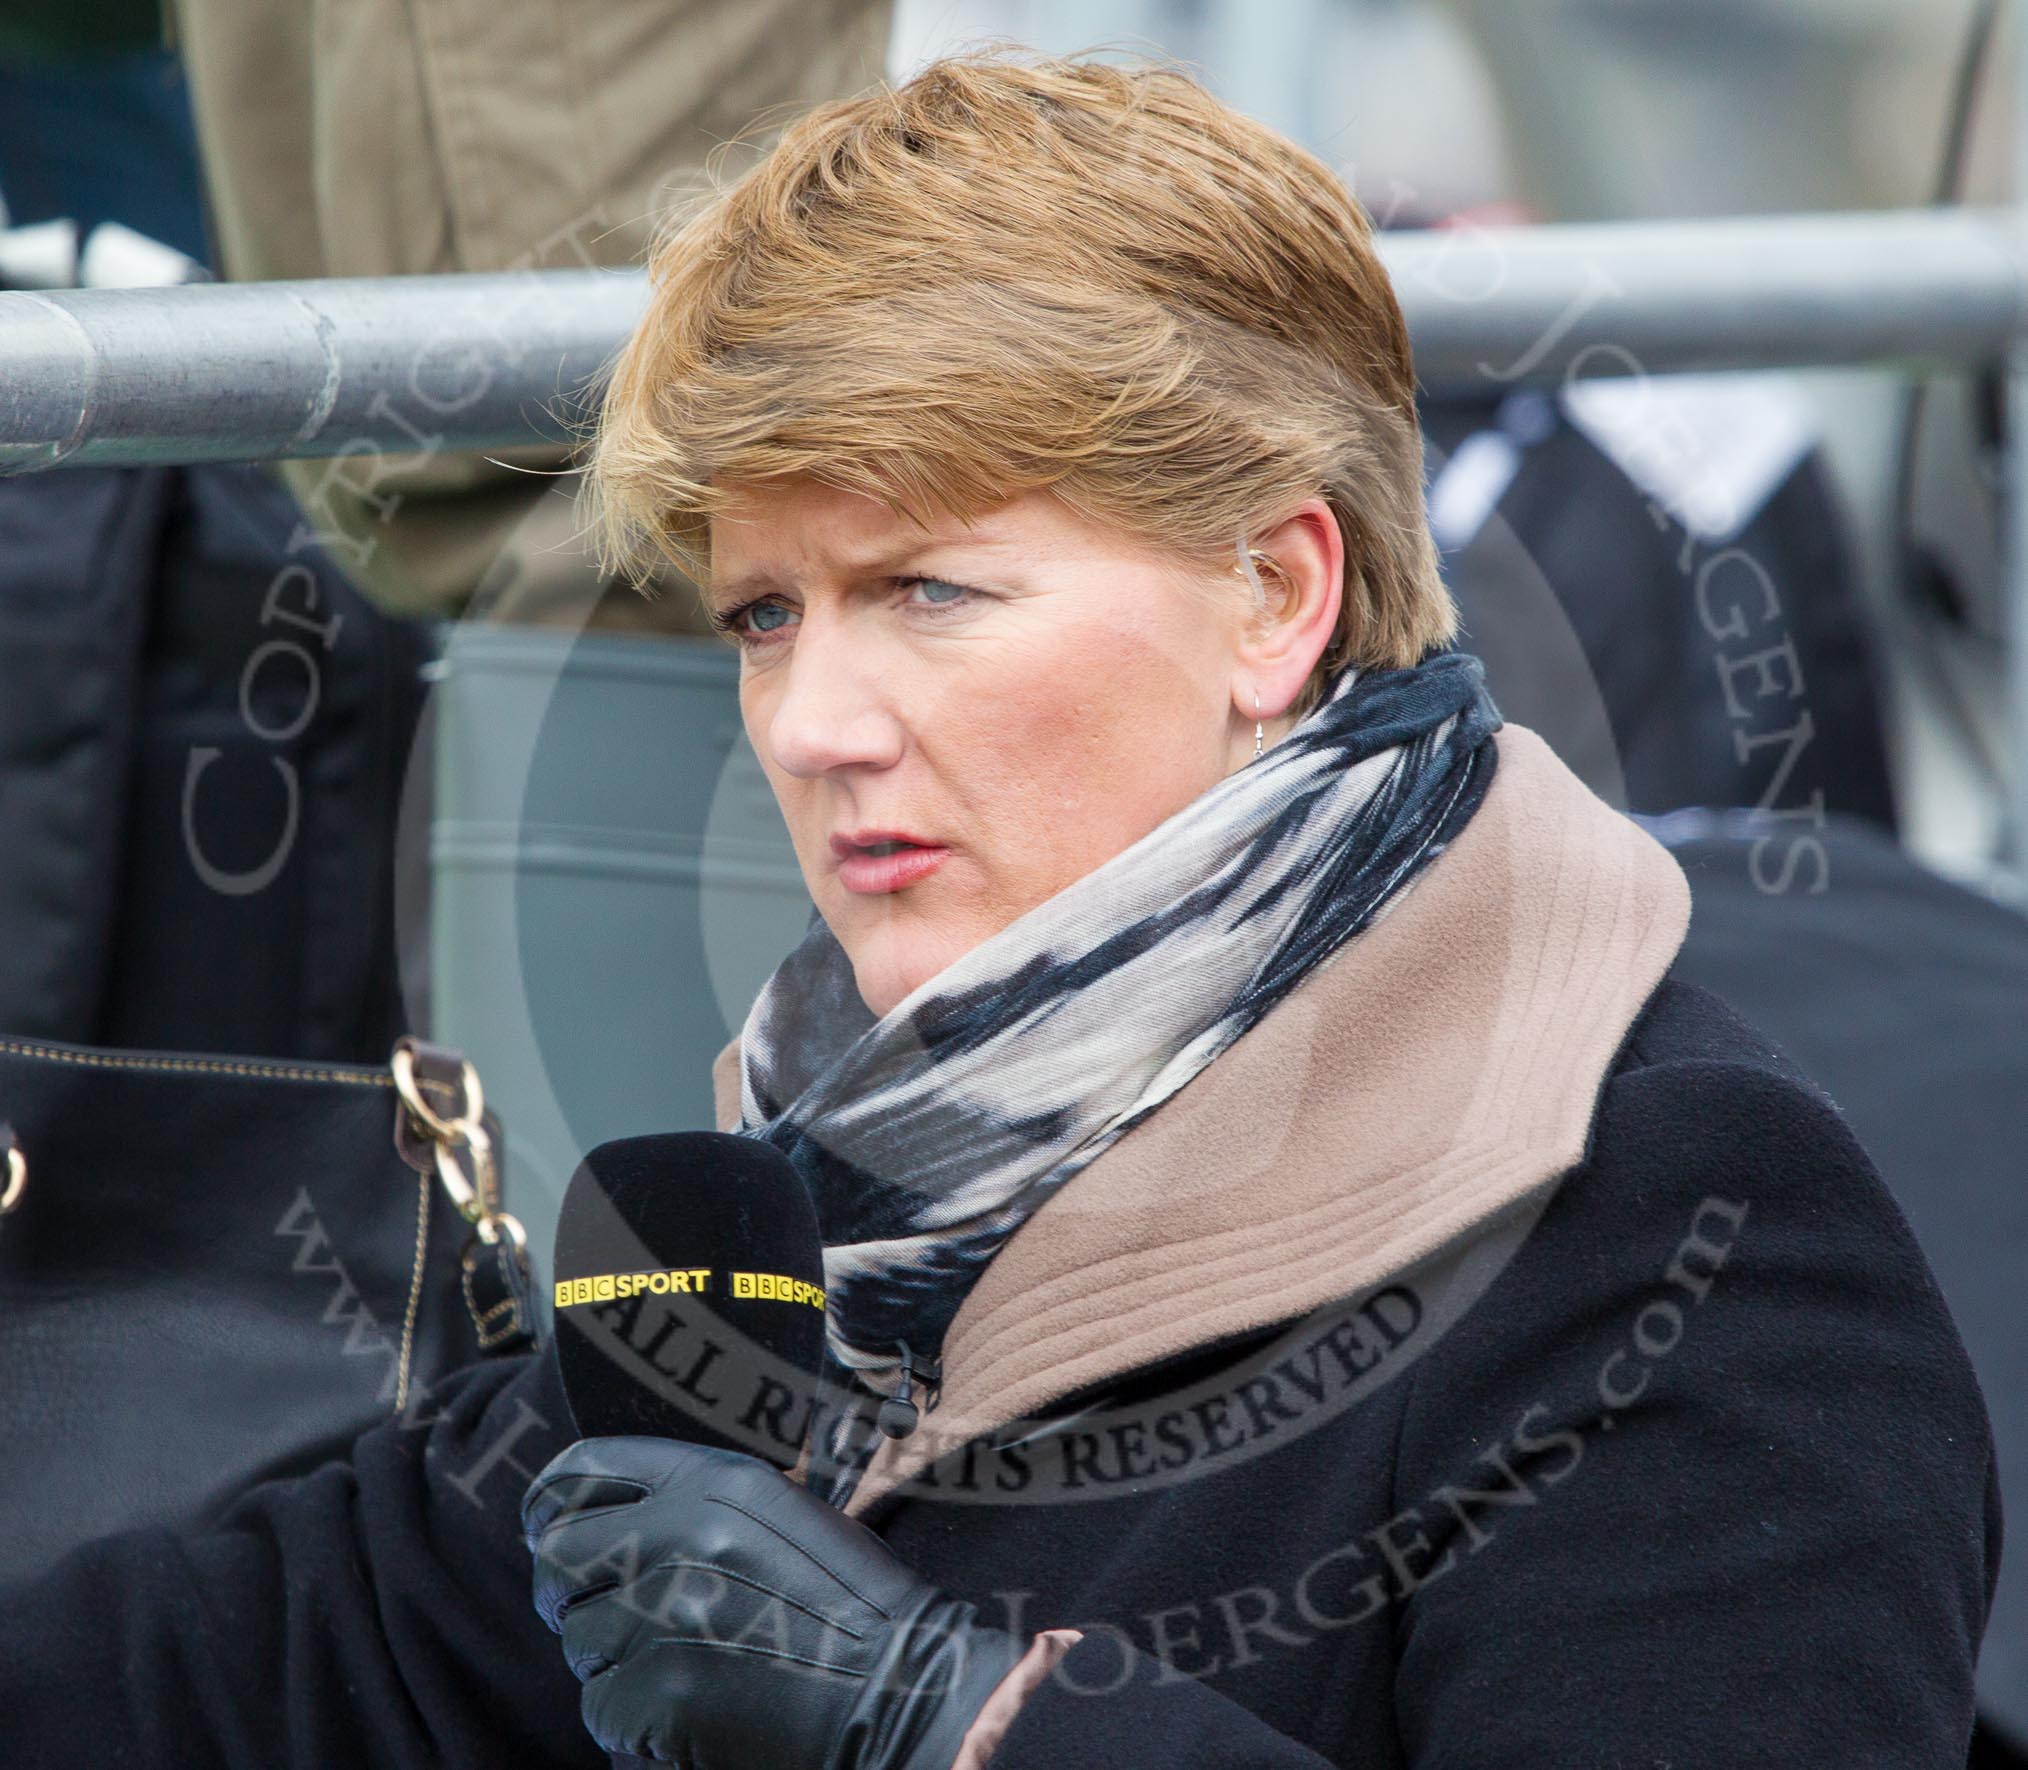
point(1493, 306)
point(253, 371)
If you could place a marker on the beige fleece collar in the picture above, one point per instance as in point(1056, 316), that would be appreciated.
point(1439, 1068)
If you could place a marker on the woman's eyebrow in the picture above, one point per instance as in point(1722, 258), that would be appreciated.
point(736, 589)
point(889, 562)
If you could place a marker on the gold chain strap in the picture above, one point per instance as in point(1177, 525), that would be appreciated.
point(460, 1139)
point(17, 1170)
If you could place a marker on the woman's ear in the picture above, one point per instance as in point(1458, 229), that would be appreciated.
point(1304, 576)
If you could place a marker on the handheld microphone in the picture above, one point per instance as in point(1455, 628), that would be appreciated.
point(690, 1294)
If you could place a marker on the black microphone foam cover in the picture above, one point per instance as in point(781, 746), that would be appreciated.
point(690, 1293)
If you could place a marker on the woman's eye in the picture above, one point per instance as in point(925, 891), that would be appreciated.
point(941, 592)
point(733, 621)
point(752, 623)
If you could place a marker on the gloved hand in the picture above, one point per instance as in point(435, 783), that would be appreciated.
point(721, 1618)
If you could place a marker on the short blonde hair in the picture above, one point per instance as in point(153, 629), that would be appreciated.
point(1017, 273)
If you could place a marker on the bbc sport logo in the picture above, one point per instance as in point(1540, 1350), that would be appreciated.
point(686, 1281)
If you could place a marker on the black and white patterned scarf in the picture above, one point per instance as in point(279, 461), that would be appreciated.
point(929, 1135)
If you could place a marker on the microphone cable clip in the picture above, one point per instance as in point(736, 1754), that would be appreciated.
point(899, 1415)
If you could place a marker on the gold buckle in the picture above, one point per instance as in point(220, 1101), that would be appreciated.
point(477, 1195)
point(412, 1095)
point(17, 1172)
point(487, 1230)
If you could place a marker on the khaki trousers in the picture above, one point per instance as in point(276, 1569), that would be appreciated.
point(392, 137)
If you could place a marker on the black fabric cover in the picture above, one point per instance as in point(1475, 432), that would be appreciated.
point(1625, 577)
point(76, 554)
point(160, 650)
point(1780, 1552)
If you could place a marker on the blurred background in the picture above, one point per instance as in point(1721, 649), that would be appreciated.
point(298, 756)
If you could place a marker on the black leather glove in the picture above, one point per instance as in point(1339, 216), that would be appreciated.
point(721, 1618)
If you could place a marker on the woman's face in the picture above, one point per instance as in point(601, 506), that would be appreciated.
point(1020, 699)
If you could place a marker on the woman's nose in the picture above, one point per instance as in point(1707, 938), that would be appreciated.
point(833, 707)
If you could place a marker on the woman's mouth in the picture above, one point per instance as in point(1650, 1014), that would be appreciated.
point(887, 865)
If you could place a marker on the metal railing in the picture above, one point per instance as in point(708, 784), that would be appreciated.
point(252, 371)
point(258, 371)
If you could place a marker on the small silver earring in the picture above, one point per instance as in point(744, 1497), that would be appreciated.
point(1256, 725)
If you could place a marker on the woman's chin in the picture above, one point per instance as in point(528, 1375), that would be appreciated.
point(890, 967)
point(883, 987)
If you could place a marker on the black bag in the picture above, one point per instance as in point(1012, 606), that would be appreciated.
point(216, 1270)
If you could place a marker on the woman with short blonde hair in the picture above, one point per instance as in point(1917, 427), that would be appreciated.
point(1305, 1284)
point(1194, 334)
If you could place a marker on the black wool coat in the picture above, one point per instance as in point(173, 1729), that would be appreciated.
point(1700, 1475)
